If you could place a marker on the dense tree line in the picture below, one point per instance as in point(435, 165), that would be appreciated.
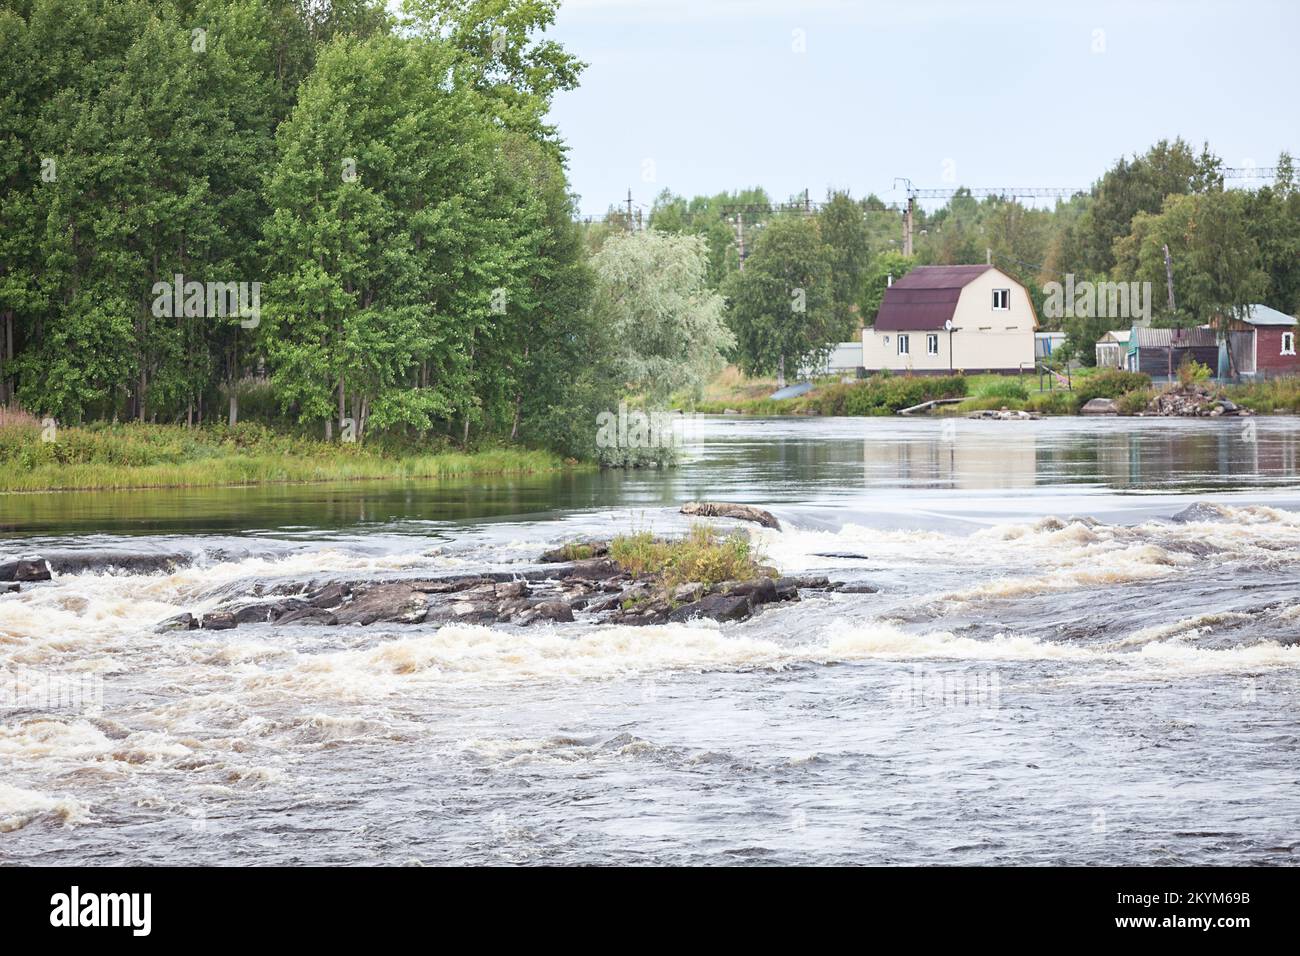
point(811, 280)
point(389, 187)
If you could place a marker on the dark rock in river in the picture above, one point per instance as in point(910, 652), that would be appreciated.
point(858, 588)
point(218, 621)
point(806, 582)
point(575, 551)
point(1200, 511)
point(548, 611)
point(308, 615)
point(718, 607)
point(759, 590)
point(332, 595)
point(25, 569)
point(724, 509)
point(389, 603)
point(253, 613)
point(181, 622)
point(593, 569)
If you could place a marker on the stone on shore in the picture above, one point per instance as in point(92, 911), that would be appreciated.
point(1100, 406)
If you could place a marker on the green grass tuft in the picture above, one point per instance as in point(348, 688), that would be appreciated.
point(703, 556)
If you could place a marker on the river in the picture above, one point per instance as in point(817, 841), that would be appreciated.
point(1051, 670)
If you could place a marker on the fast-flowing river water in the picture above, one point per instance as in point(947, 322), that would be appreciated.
point(1052, 670)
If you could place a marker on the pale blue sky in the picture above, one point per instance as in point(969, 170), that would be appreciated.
point(715, 95)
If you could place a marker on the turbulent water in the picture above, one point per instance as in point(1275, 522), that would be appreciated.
point(1051, 670)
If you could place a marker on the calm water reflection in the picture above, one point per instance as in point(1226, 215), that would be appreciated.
point(810, 461)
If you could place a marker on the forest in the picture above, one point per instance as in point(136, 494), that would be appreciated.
point(345, 221)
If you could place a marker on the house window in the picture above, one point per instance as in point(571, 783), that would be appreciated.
point(1288, 343)
point(932, 344)
point(1001, 299)
point(902, 345)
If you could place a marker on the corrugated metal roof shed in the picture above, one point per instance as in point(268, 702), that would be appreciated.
point(1179, 338)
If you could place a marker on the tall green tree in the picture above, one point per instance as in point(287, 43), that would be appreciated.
point(781, 306)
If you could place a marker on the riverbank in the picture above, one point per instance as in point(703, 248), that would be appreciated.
point(1133, 394)
point(126, 456)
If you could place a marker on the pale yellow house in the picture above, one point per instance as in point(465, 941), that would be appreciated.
point(942, 319)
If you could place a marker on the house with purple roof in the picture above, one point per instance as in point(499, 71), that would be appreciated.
point(937, 320)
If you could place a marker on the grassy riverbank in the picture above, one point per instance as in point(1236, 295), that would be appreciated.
point(886, 394)
point(167, 456)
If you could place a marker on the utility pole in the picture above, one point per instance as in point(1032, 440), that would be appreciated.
point(740, 238)
point(907, 226)
point(629, 209)
point(1169, 277)
point(807, 203)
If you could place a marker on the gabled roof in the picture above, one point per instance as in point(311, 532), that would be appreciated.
point(925, 298)
point(1115, 336)
point(1263, 315)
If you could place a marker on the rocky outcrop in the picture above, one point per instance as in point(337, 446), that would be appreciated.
point(1193, 401)
point(77, 562)
point(723, 509)
point(597, 589)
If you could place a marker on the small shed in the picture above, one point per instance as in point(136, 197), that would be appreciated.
point(1159, 352)
point(1112, 348)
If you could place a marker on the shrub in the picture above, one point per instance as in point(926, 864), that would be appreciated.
point(1010, 388)
point(1131, 403)
point(1057, 402)
point(703, 555)
point(883, 394)
point(1111, 383)
point(1272, 395)
point(1192, 372)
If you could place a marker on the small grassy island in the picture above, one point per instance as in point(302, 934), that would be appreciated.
point(135, 455)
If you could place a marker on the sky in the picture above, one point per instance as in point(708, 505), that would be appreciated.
point(700, 96)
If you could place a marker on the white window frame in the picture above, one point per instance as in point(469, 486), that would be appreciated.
point(904, 346)
point(1288, 343)
point(932, 343)
point(1001, 295)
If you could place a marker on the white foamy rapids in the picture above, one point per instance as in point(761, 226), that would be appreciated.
point(19, 807)
point(1059, 554)
point(472, 655)
point(1186, 629)
point(80, 612)
point(1249, 531)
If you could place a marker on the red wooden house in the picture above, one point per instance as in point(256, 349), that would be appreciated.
point(1261, 345)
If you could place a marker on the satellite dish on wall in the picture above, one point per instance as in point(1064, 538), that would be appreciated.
point(947, 325)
